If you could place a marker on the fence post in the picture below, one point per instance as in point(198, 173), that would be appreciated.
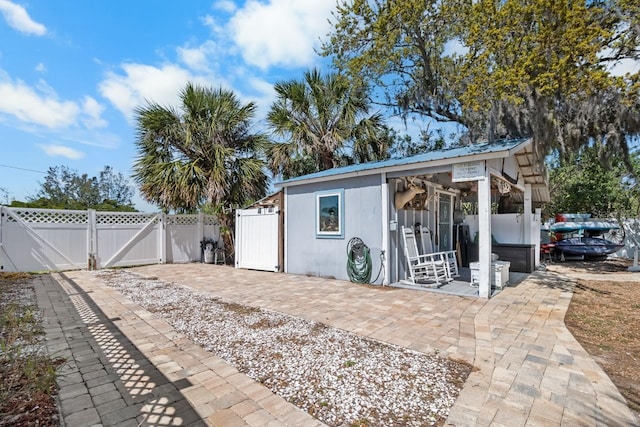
point(200, 237)
point(92, 244)
point(1, 243)
point(162, 238)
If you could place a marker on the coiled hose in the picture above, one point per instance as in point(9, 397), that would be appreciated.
point(358, 261)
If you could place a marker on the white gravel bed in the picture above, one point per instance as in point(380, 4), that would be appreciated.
point(338, 377)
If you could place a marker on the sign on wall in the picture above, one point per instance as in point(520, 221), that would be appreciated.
point(470, 171)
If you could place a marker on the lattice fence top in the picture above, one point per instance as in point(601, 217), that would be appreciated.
point(210, 220)
point(55, 216)
point(125, 218)
point(185, 219)
point(49, 216)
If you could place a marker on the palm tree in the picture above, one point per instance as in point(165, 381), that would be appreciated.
point(203, 152)
point(325, 123)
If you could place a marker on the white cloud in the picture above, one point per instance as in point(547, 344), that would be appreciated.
point(62, 151)
point(197, 58)
point(226, 6)
point(260, 92)
point(90, 137)
point(17, 18)
point(280, 32)
point(38, 107)
point(41, 68)
point(39, 111)
point(210, 22)
point(141, 83)
point(217, 29)
point(92, 113)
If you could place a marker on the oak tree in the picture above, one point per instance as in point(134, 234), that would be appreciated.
point(501, 68)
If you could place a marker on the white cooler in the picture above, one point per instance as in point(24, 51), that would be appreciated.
point(499, 273)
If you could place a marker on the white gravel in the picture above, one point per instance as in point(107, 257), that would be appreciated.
point(337, 376)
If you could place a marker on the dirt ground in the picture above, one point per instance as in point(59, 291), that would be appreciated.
point(604, 316)
point(27, 379)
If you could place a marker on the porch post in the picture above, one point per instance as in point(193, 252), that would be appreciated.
point(384, 187)
point(286, 229)
point(484, 235)
point(528, 214)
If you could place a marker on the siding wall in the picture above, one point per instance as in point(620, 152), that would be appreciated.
point(307, 254)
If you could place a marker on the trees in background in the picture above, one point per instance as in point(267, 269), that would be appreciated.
point(65, 188)
point(500, 68)
point(595, 182)
point(323, 122)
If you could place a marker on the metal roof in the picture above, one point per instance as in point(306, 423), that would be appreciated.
point(486, 150)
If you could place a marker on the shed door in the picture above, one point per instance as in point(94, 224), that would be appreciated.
point(257, 240)
point(444, 222)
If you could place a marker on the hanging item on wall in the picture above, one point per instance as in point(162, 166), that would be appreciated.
point(401, 198)
point(503, 187)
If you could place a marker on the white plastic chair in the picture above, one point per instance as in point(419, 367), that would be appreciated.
point(427, 248)
point(432, 267)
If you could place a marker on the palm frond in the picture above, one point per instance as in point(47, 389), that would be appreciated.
point(186, 156)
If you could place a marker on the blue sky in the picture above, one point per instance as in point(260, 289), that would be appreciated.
point(72, 72)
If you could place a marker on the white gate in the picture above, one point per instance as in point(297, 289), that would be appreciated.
point(257, 238)
point(50, 239)
point(128, 238)
point(43, 239)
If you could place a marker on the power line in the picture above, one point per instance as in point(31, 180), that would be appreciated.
point(22, 169)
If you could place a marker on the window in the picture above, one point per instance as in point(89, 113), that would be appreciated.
point(330, 214)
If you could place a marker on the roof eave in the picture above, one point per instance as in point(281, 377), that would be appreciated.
point(498, 154)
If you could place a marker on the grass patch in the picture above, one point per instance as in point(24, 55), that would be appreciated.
point(27, 374)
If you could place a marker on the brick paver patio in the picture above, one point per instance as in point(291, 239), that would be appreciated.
point(531, 371)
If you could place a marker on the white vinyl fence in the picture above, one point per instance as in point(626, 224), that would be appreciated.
point(49, 239)
point(632, 238)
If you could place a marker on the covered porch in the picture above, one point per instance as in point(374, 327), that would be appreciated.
point(482, 198)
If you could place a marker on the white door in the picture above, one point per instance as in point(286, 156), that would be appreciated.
point(257, 239)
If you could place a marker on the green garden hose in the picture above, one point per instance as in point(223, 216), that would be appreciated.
point(358, 261)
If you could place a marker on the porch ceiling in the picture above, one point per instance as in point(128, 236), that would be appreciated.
point(468, 190)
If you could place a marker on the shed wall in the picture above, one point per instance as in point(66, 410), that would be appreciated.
point(308, 254)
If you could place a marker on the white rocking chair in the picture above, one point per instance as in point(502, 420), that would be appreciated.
point(432, 267)
point(427, 248)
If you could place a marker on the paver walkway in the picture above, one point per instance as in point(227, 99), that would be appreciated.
point(531, 371)
point(126, 368)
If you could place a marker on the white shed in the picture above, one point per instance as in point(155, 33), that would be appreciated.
point(374, 200)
